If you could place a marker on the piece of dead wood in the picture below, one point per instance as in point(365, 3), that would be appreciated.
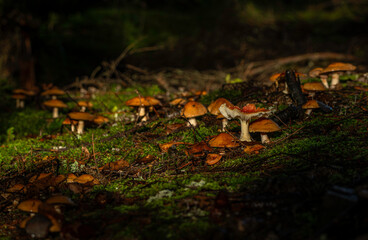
point(258, 67)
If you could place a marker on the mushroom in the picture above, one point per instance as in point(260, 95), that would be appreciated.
point(248, 112)
point(223, 140)
point(337, 68)
point(53, 92)
point(279, 77)
point(213, 108)
point(84, 104)
point(192, 110)
point(19, 100)
point(72, 123)
point(55, 104)
point(309, 106)
point(316, 72)
point(20, 95)
point(81, 117)
point(142, 103)
point(313, 87)
point(264, 126)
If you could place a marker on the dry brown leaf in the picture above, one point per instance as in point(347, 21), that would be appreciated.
point(83, 179)
point(198, 149)
point(59, 199)
point(71, 177)
point(147, 159)
point(115, 166)
point(58, 179)
point(165, 146)
point(17, 188)
point(254, 149)
point(172, 127)
point(30, 205)
point(40, 177)
point(213, 158)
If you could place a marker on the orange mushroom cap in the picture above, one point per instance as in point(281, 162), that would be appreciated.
point(264, 125)
point(193, 109)
point(223, 140)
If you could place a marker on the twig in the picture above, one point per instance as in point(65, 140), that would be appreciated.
point(94, 154)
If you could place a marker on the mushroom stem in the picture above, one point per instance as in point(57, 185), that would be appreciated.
point(264, 138)
point(55, 112)
point(244, 135)
point(72, 128)
point(286, 90)
point(53, 97)
point(80, 127)
point(308, 111)
point(141, 111)
point(335, 80)
point(83, 109)
point(21, 104)
point(192, 122)
point(224, 124)
point(17, 103)
point(324, 80)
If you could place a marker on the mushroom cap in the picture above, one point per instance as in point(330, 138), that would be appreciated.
point(314, 86)
point(53, 91)
point(315, 72)
point(81, 116)
point(223, 140)
point(310, 104)
point(85, 104)
point(55, 103)
point(30, 205)
point(339, 67)
point(24, 92)
point(246, 113)
point(264, 125)
point(193, 109)
point(18, 96)
point(213, 108)
point(142, 101)
point(275, 77)
point(67, 121)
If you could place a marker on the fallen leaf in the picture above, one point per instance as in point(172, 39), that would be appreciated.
point(165, 146)
point(115, 166)
point(59, 199)
point(213, 158)
point(254, 149)
point(30, 205)
point(83, 179)
point(17, 188)
point(198, 149)
point(71, 177)
point(147, 159)
point(58, 179)
point(170, 128)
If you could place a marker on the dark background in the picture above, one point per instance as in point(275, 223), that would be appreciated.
point(57, 41)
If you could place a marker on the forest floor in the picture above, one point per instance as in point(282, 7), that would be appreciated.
point(155, 180)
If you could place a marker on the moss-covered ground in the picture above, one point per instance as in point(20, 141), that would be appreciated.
point(311, 182)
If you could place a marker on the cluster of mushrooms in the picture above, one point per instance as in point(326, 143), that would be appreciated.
point(252, 119)
point(52, 96)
